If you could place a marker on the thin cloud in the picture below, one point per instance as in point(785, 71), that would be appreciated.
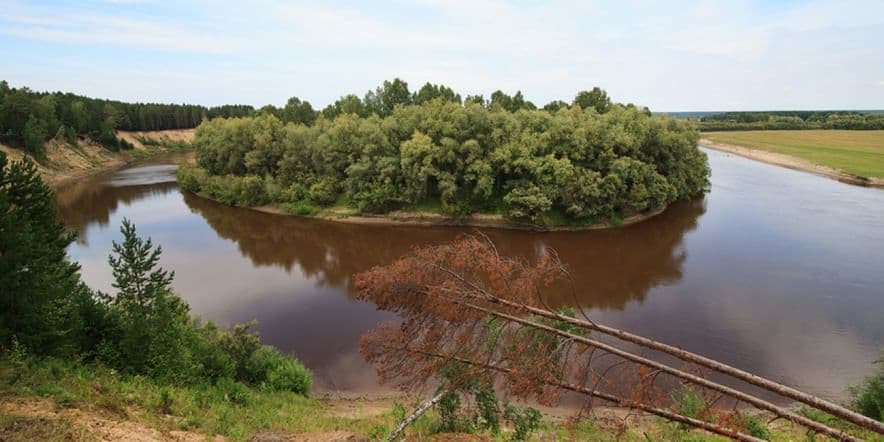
point(116, 31)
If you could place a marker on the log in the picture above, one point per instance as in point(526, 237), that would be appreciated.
point(666, 414)
point(739, 395)
point(758, 381)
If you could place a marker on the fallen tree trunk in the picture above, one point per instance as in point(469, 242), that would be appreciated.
point(758, 381)
point(694, 379)
point(666, 414)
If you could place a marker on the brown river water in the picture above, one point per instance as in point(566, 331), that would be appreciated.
point(774, 271)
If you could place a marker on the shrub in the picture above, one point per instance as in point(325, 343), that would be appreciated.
point(252, 191)
point(868, 397)
point(290, 375)
point(191, 178)
point(323, 193)
point(524, 420)
point(276, 371)
point(757, 428)
point(305, 209)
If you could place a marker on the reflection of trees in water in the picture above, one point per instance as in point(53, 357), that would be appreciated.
point(609, 267)
point(93, 201)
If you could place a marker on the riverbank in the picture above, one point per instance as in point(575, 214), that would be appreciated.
point(852, 157)
point(65, 164)
point(434, 219)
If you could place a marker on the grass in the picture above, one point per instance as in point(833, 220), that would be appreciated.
point(857, 152)
point(157, 147)
point(238, 412)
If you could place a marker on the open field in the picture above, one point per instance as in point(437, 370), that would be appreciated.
point(856, 152)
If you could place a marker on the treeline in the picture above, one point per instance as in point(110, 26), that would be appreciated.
point(144, 328)
point(587, 161)
point(28, 119)
point(792, 120)
point(383, 101)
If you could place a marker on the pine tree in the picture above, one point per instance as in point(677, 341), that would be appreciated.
point(38, 284)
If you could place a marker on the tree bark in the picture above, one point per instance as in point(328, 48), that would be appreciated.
point(414, 416)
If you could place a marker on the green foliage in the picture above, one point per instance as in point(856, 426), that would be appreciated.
point(868, 397)
point(450, 420)
point(28, 118)
point(34, 134)
point(271, 369)
point(41, 296)
point(489, 409)
point(524, 421)
point(154, 335)
point(304, 209)
point(687, 402)
point(757, 428)
point(520, 162)
point(595, 99)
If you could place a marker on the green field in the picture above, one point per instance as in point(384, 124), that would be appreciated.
point(858, 152)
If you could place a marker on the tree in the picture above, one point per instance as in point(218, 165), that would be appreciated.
point(154, 322)
point(596, 99)
point(297, 111)
point(430, 91)
point(464, 307)
point(39, 286)
point(35, 133)
point(555, 105)
point(133, 262)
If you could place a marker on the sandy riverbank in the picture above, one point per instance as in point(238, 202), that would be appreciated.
point(794, 163)
point(65, 164)
point(427, 219)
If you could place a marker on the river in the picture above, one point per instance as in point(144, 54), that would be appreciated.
point(775, 271)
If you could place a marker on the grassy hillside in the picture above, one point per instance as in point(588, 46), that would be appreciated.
point(856, 152)
point(53, 399)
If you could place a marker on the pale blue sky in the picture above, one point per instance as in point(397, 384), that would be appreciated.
point(670, 56)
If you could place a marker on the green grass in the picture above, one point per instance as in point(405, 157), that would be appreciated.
point(234, 412)
point(857, 152)
point(238, 412)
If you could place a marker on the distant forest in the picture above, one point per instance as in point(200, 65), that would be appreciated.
point(786, 120)
point(28, 119)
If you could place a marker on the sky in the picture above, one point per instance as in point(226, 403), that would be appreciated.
point(667, 55)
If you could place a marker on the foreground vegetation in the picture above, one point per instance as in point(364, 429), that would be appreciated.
point(860, 153)
point(576, 163)
point(45, 388)
point(143, 329)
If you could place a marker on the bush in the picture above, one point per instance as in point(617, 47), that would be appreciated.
point(191, 178)
point(323, 193)
point(304, 209)
point(868, 397)
point(252, 191)
point(276, 371)
point(757, 428)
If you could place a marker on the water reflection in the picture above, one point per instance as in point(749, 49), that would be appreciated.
point(626, 263)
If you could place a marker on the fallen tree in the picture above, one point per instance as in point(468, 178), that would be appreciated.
point(463, 303)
